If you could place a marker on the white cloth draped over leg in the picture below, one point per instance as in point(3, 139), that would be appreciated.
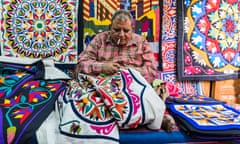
point(94, 109)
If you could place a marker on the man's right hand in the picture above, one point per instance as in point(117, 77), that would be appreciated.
point(110, 68)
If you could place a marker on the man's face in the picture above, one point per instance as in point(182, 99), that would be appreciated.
point(121, 31)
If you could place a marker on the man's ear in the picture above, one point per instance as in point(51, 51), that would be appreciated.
point(133, 27)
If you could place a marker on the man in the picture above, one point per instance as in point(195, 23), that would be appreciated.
point(120, 48)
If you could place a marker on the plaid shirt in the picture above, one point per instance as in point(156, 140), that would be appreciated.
point(136, 54)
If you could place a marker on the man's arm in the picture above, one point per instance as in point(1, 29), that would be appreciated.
point(87, 60)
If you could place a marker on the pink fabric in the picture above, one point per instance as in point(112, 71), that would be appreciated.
point(172, 89)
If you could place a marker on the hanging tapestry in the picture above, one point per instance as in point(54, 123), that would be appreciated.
point(208, 40)
point(167, 53)
point(97, 18)
point(40, 29)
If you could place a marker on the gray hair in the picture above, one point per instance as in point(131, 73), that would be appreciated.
point(122, 15)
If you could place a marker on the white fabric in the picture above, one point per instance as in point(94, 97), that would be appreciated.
point(51, 72)
point(153, 105)
point(47, 133)
point(154, 109)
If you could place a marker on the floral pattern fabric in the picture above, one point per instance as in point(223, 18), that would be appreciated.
point(208, 39)
point(97, 107)
point(26, 99)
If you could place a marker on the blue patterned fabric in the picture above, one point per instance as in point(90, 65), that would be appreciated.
point(211, 120)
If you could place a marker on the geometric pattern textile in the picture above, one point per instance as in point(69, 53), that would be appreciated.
point(168, 35)
point(168, 55)
point(205, 117)
point(208, 121)
point(208, 40)
point(39, 29)
point(168, 50)
point(97, 17)
point(192, 99)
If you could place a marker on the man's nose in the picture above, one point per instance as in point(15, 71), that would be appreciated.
point(121, 33)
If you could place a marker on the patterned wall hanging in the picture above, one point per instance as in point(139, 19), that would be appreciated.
point(168, 50)
point(97, 18)
point(208, 39)
point(40, 29)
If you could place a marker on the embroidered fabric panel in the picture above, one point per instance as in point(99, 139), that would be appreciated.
point(97, 17)
point(13, 76)
point(208, 40)
point(96, 108)
point(168, 50)
point(123, 95)
point(83, 113)
point(208, 116)
point(40, 29)
point(193, 99)
point(25, 100)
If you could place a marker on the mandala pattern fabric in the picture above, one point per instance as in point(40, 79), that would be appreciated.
point(26, 99)
point(208, 39)
point(40, 29)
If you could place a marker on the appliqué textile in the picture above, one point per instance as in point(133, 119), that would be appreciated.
point(95, 108)
point(206, 118)
point(208, 40)
point(40, 29)
point(26, 99)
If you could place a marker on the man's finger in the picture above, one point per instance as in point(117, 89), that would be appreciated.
point(116, 65)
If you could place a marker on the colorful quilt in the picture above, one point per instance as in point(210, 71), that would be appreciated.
point(40, 29)
point(212, 121)
point(191, 99)
point(94, 109)
point(26, 99)
point(208, 40)
point(204, 117)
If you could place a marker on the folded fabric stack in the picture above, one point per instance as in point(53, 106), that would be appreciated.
point(204, 117)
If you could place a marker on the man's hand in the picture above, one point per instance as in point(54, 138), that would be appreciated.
point(110, 68)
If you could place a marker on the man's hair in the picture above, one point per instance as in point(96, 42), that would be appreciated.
point(122, 15)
